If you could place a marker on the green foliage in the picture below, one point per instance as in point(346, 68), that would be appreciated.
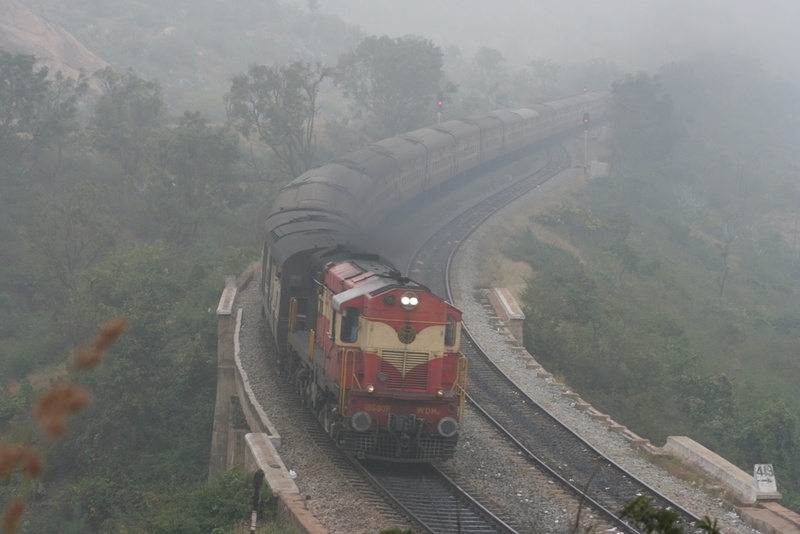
point(154, 394)
point(23, 96)
point(653, 338)
point(136, 215)
point(788, 324)
point(590, 328)
point(94, 505)
point(50, 229)
point(545, 75)
point(11, 405)
point(769, 436)
point(190, 177)
point(490, 62)
point(540, 256)
point(59, 119)
point(641, 117)
point(279, 104)
point(72, 231)
point(708, 401)
point(220, 506)
point(647, 518)
point(94, 499)
point(395, 80)
point(124, 117)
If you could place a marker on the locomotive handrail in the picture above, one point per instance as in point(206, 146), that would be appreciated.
point(463, 366)
point(343, 378)
point(409, 321)
point(292, 313)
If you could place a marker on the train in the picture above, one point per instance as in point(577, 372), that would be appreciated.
point(374, 354)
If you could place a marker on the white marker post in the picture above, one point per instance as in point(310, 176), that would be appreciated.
point(765, 478)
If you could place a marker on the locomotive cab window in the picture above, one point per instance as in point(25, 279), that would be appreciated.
point(450, 331)
point(349, 331)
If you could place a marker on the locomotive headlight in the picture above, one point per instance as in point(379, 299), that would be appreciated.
point(361, 421)
point(409, 300)
point(447, 427)
point(370, 388)
point(440, 392)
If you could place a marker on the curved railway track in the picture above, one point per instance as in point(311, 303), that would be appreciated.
point(428, 498)
point(596, 481)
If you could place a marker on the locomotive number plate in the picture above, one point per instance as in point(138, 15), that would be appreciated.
point(406, 335)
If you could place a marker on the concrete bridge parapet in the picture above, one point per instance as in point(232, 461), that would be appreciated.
point(507, 310)
point(226, 380)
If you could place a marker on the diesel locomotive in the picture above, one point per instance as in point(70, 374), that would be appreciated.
point(374, 354)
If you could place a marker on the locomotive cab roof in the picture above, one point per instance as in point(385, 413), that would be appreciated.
point(369, 274)
point(373, 287)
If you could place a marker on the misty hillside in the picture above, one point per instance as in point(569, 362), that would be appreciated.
point(23, 31)
point(637, 35)
point(110, 213)
point(192, 48)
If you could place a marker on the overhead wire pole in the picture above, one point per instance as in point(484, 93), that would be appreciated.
point(796, 226)
point(585, 142)
point(585, 149)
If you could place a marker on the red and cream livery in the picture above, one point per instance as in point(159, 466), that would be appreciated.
point(374, 354)
point(380, 364)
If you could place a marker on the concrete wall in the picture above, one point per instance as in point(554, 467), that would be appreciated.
point(741, 486)
point(260, 453)
point(507, 310)
point(226, 380)
point(235, 446)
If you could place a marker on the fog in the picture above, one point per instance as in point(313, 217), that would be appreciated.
point(635, 34)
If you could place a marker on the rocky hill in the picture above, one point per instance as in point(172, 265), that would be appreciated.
point(23, 31)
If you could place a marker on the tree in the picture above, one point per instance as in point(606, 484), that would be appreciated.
point(72, 232)
point(396, 80)
point(189, 175)
point(280, 105)
point(595, 74)
point(770, 435)
point(489, 62)
point(709, 402)
point(489, 81)
point(124, 118)
point(35, 111)
point(161, 376)
point(544, 74)
point(60, 125)
point(23, 93)
point(645, 134)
